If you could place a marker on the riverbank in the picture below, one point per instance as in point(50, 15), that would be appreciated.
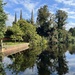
point(9, 50)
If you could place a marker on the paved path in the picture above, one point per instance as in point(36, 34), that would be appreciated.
point(15, 49)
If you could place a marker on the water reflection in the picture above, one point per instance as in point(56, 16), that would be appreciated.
point(23, 61)
point(2, 70)
point(55, 60)
point(52, 61)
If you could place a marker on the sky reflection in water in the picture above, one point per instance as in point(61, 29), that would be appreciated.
point(71, 63)
point(26, 64)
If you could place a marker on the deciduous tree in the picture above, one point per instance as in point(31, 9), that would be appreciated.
point(3, 18)
point(61, 17)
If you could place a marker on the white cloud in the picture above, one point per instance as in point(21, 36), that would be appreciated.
point(17, 9)
point(67, 2)
point(65, 9)
point(68, 10)
point(31, 71)
point(12, 1)
point(15, 1)
point(52, 8)
point(70, 73)
point(10, 20)
point(71, 16)
point(71, 13)
point(70, 25)
point(29, 5)
point(6, 61)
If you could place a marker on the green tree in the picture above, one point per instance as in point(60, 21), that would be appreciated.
point(43, 20)
point(17, 33)
point(3, 18)
point(72, 31)
point(61, 17)
point(49, 58)
point(28, 29)
point(8, 32)
point(30, 34)
point(43, 15)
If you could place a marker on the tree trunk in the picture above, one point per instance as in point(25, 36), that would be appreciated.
point(1, 44)
point(15, 41)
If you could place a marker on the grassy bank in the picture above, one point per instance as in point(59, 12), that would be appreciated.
point(9, 44)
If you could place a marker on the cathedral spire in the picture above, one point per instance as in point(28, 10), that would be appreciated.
point(32, 18)
point(15, 19)
point(20, 14)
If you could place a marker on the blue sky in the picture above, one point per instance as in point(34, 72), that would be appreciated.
point(13, 6)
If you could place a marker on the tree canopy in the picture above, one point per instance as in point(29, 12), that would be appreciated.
point(3, 18)
point(17, 33)
point(43, 15)
point(44, 20)
point(61, 17)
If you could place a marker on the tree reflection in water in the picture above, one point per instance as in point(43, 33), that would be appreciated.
point(52, 61)
point(23, 60)
point(2, 70)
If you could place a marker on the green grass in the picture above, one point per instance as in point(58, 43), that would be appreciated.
point(12, 43)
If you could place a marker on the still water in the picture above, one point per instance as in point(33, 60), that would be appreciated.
point(56, 60)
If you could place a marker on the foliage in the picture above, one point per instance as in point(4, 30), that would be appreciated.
point(50, 58)
point(43, 15)
point(61, 17)
point(17, 33)
point(30, 34)
point(28, 30)
point(72, 31)
point(23, 60)
point(3, 18)
point(43, 20)
point(61, 35)
point(8, 32)
point(38, 41)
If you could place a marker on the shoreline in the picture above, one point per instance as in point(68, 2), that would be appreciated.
point(15, 49)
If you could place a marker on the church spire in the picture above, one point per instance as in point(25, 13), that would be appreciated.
point(15, 19)
point(20, 14)
point(32, 18)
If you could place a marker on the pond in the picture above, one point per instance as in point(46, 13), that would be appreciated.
point(55, 60)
